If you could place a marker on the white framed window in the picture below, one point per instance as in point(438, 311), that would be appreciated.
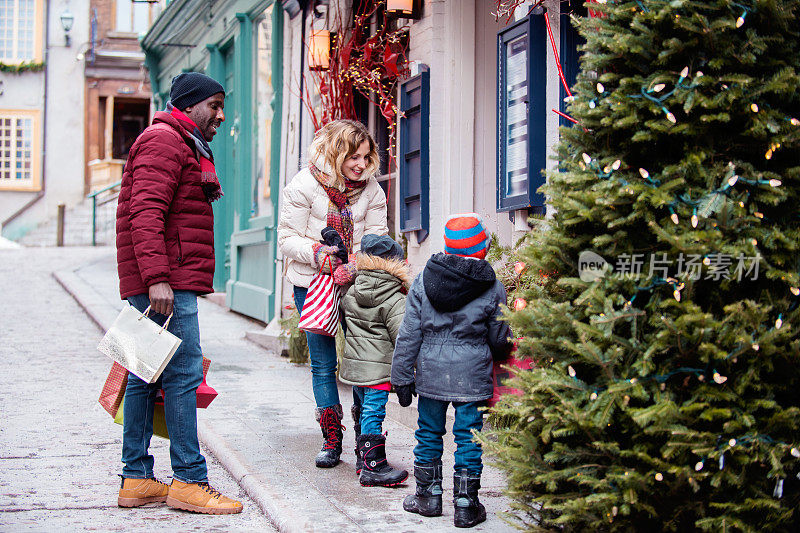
point(20, 31)
point(136, 16)
point(19, 149)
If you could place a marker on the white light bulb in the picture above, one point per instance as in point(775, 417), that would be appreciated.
point(740, 22)
point(795, 122)
point(658, 87)
point(684, 72)
point(645, 174)
point(659, 476)
point(671, 117)
point(600, 88)
point(706, 261)
point(677, 294)
point(674, 217)
point(754, 107)
point(586, 158)
point(699, 74)
point(795, 452)
point(571, 371)
point(756, 347)
point(719, 379)
point(732, 443)
point(795, 291)
point(699, 466)
point(775, 183)
point(616, 164)
point(593, 396)
point(694, 221)
point(592, 105)
point(607, 169)
point(778, 323)
point(732, 180)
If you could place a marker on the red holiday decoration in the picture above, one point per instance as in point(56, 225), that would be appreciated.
point(370, 63)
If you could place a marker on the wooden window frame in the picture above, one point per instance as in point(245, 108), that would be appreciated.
point(38, 38)
point(35, 184)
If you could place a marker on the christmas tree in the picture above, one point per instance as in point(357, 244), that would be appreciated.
point(666, 393)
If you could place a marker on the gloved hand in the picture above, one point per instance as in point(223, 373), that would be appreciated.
point(321, 252)
point(344, 274)
point(404, 393)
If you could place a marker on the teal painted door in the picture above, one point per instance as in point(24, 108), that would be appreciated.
point(250, 288)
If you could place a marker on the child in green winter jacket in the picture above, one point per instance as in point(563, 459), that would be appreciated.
point(373, 309)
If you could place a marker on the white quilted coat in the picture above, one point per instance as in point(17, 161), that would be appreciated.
point(304, 214)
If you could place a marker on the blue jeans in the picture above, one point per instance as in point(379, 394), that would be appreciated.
point(180, 379)
point(373, 408)
point(323, 360)
point(432, 414)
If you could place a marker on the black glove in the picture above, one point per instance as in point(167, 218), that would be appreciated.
point(331, 237)
point(404, 393)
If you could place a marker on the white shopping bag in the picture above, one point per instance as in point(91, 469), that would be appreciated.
point(140, 345)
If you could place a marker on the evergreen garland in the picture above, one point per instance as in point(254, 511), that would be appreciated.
point(18, 68)
point(661, 400)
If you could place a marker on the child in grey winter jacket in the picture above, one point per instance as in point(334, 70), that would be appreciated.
point(450, 335)
point(373, 310)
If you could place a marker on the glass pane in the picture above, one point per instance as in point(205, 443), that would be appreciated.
point(516, 123)
point(265, 100)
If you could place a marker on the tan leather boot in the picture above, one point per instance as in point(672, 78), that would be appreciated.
point(136, 492)
point(200, 498)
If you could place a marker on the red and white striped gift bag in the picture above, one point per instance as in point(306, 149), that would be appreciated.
point(320, 313)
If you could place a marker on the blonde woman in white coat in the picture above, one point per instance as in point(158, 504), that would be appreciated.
point(337, 189)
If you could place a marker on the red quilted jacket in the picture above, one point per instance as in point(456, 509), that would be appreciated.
point(165, 225)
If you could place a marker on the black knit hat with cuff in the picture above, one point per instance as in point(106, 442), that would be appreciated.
point(190, 88)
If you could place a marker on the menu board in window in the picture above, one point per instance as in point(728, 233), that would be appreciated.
point(521, 62)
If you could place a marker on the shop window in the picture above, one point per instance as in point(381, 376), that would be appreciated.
point(265, 114)
point(414, 154)
point(20, 28)
point(521, 78)
point(136, 16)
point(18, 150)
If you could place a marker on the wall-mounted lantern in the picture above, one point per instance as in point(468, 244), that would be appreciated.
point(319, 50)
point(409, 9)
point(67, 19)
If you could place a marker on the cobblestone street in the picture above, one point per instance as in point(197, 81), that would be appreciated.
point(59, 450)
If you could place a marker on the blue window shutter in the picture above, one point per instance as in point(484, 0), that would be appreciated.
point(414, 154)
point(570, 41)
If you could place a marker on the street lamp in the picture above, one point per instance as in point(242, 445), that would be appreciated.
point(319, 50)
point(409, 9)
point(67, 19)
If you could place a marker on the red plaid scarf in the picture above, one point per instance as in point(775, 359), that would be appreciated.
point(340, 217)
point(208, 173)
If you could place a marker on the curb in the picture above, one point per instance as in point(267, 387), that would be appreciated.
point(271, 504)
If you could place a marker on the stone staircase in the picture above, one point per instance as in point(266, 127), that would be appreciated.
point(77, 226)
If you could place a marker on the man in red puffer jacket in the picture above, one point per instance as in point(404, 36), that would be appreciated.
point(165, 259)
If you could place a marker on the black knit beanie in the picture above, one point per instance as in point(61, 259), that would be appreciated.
point(190, 88)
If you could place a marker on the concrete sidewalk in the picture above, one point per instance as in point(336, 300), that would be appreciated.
point(262, 430)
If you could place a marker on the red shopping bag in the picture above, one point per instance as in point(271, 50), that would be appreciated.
point(114, 389)
point(500, 375)
point(205, 393)
point(320, 313)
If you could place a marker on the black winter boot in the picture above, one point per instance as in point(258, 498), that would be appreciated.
point(330, 421)
point(469, 511)
point(356, 412)
point(427, 501)
point(376, 471)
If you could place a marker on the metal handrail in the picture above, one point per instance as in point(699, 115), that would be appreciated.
point(93, 196)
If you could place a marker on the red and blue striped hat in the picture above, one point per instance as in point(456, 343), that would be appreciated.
point(465, 235)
